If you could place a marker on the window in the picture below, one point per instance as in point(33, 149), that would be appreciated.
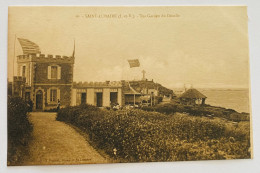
point(53, 95)
point(23, 71)
point(54, 73)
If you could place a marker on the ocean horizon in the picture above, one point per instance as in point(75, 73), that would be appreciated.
point(230, 98)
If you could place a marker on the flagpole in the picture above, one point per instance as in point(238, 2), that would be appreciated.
point(73, 54)
point(13, 66)
point(14, 53)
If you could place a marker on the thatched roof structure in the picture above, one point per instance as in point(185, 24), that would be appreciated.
point(193, 94)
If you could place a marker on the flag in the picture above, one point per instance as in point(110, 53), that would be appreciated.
point(134, 63)
point(28, 46)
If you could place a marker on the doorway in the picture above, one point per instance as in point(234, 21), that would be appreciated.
point(113, 98)
point(39, 100)
point(99, 99)
point(27, 96)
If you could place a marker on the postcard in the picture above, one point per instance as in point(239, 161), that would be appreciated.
point(128, 84)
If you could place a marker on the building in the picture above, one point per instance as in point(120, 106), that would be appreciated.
point(46, 80)
point(46, 77)
point(192, 97)
point(100, 94)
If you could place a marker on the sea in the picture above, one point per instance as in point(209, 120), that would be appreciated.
point(237, 99)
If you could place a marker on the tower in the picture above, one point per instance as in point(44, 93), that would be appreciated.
point(48, 79)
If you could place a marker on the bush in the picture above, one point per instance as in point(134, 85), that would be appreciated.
point(19, 129)
point(137, 135)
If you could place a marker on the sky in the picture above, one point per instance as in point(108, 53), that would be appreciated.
point(206, 47)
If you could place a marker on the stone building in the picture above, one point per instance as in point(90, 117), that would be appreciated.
point(46, 77)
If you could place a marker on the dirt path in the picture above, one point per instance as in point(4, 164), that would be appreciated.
point(55, 142)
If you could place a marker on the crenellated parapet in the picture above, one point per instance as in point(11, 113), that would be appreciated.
point(19, 79)
point(45, 58)
point(97, 84)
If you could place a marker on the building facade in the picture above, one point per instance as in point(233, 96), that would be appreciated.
point(100, 94)
point(48, 79)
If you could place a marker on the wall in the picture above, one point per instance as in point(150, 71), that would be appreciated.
point(91, 95)
point(41, 73)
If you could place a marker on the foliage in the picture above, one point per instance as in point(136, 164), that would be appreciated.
point(137, 135)
point(19, 129)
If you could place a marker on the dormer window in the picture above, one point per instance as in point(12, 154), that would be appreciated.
point(54, 72)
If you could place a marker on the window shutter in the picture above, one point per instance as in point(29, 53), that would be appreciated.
point(58, 94)
point(59, 72)
point(48, 95)
point(49, 72)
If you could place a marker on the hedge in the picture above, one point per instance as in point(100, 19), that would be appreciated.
point(137, 135)
point(19, 130)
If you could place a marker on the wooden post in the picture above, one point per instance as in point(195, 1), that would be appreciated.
point(134, 99)
point(151, 100)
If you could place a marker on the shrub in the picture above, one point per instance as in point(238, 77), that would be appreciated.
point(137, 135)
point(19, 129)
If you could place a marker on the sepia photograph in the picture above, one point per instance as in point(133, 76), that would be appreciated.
point(92, 85)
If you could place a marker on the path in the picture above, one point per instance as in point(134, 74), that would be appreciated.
point(55, 142)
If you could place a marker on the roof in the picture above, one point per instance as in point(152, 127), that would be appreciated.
point(138, 86)
point(129, 90)
point(193, 94)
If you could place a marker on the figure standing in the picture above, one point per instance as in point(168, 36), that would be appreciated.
point(58, 105)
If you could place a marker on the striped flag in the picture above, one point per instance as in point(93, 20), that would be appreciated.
point(28, 46)
point(134, 63)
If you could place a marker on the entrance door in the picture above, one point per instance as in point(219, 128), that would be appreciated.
point(27, 96)
point(83, 98)
point(39, 100)
point(99, 99)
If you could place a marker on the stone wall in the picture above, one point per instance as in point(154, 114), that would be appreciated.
point(41, 73)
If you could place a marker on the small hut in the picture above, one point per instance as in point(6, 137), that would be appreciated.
point(131, 95)
point(192, 97)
